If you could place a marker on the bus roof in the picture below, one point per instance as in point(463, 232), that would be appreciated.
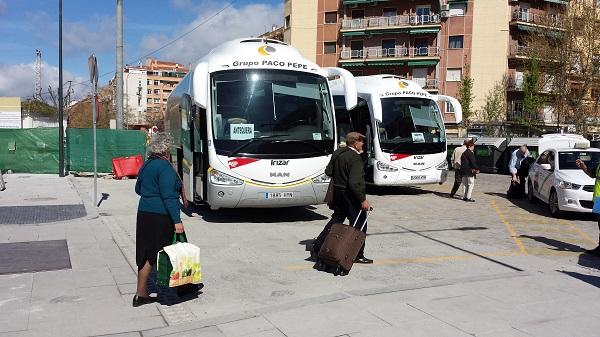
point(384, 86)
point(256, 53)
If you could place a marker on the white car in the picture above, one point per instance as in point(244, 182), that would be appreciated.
point(556, 180)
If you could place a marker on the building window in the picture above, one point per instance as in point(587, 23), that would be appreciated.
point(458, 9)
point(387, 12)
point(287, 22)
point(156, 83)
point(455, 42)
point(329, 47)
point(330, 17)
point(358, 14)
point(156, 91)
point(453, 75)
point(389, 44)
point(149, 91)
point(149, 82)
point(157, 100)
point(149, 100)
point(423, 11)
point(449, 108)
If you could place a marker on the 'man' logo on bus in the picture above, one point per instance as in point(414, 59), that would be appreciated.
point(279, 174)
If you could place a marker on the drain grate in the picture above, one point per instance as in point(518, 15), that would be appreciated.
point(34, 256)
point(18, 215)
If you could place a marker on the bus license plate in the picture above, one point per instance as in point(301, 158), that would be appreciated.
point(279, 195)
point(418, 177)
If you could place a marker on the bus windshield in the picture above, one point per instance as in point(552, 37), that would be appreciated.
point(271, 113)
point(411, 125)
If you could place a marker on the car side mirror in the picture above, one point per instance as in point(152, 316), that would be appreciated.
point(546, 167)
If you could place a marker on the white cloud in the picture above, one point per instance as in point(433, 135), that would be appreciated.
point(78, 37)
point(246, 21)
point(19, 80)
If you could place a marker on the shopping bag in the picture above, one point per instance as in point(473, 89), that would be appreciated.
point(179, 263)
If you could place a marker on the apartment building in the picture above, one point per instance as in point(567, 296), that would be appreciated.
point(146, 89)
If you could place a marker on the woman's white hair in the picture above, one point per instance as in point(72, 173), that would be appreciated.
point(160, 144)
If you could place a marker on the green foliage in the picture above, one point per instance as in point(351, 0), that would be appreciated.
point(533, 101)
point(38, 107)
point(494, 108)
point(466, 97)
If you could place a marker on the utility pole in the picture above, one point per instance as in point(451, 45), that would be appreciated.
point(119, 70)
point(37, 68)
point(61, 131)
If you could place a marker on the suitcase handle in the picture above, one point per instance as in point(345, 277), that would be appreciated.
point(364, 223)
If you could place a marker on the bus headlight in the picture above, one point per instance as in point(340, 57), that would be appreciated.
point(381, 166)
point(220, 178)
point(321, 179)
point(442, 166)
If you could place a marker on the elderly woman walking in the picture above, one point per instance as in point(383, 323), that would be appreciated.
point(160, 188)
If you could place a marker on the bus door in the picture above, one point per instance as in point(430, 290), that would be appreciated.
point(200, 150)
point(187, 146)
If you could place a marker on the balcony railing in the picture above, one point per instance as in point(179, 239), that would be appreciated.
point(519, 50)
point(552, 20)
point(397, 52)
point(390, 21)
point(426, 83)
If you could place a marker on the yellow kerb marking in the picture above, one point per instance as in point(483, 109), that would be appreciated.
point(510, 228)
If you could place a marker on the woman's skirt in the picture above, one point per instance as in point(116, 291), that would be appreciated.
point(153, 231)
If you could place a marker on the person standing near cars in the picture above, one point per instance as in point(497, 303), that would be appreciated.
point(469, 169)
point(347, 171)
point(456, 155)
point(593, 172)
point(519, 168)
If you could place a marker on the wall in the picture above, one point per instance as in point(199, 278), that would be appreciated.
point(302, 33)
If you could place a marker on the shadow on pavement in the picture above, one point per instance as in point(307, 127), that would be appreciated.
point(469, 228)
point(590, 279)
point(556, 244)
point(171, 296)
point(255, 215)
point(394, 190)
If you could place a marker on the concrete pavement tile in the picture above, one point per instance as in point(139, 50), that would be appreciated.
point(103, 293)
point(389, 308)
point(245, 327)
point(581, 326)
point(342, 317)
point(51, 232)
point(84, 256)
point(204, 332)
point(504, 333)
point(92, 277)
point(123, 334)
point(127, 289)
point(112, 325)
point(421, 328)
point(123, 275)
point(14, 303)
point(269, 333)
point(13, 321)
point(15, 284)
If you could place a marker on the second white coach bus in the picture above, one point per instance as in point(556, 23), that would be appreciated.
point(254, 126)
point(406, 138)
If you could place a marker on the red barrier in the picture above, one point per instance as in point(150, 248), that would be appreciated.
point(127, 166)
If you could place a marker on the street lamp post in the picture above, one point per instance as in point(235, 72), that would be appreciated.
point(61, 136)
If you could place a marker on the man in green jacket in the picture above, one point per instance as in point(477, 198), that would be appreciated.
point(347, 171)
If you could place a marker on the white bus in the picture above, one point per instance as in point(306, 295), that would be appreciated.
point(253, 126)
point(408, 146)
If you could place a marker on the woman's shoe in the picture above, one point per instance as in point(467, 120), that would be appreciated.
point(139, 300)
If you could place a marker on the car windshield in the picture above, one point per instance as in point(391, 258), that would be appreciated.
point(288, 112)
point(410, 124)
point(566, 160)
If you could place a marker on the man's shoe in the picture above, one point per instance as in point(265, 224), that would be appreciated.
point(595, 251)
point(2, 189)
point(363, 260)
point(469, 200)
point(138, 300)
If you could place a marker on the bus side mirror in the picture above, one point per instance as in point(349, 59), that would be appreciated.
point(350, 92)
point(458, 116)
point(200, 85)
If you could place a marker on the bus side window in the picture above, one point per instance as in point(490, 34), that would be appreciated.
point(199, 114)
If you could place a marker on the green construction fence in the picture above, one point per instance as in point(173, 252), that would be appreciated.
point(109, 144)
point(29, 150)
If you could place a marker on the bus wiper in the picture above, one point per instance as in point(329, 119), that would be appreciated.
point(250, 141)
point(320, 149)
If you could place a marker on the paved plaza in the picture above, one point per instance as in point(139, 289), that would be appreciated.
point(443, 267)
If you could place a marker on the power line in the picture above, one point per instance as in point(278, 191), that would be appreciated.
point(230, 4)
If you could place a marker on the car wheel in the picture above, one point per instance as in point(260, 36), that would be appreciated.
point(530, 195)
point(553, 204)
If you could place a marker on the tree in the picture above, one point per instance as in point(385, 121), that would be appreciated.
point(38, 107)
point(533, 101)
point(494, 108)
point(569, 51)
point(466, 97)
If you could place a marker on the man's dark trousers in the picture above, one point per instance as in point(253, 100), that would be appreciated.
point(457, 181)
point(343, 208)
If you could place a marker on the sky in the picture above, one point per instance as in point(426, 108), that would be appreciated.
point(89, 27)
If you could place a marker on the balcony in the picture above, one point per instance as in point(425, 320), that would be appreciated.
point(386, 22)
point(518, 51)
point(361, 2)
point(427, 83)
point(378, 53)
point(531, 20)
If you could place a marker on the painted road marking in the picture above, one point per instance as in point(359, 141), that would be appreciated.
point(509, 228)
point(579, 231)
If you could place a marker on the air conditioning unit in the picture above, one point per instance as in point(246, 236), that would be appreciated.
point(445, 7)
point(445, 14)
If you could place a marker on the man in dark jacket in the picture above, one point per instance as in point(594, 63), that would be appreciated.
point(469, 169)
point(347, 171)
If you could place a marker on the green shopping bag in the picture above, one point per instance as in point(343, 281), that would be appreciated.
point(164, 268)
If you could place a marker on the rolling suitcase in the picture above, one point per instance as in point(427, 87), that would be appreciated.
point(341, 246)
